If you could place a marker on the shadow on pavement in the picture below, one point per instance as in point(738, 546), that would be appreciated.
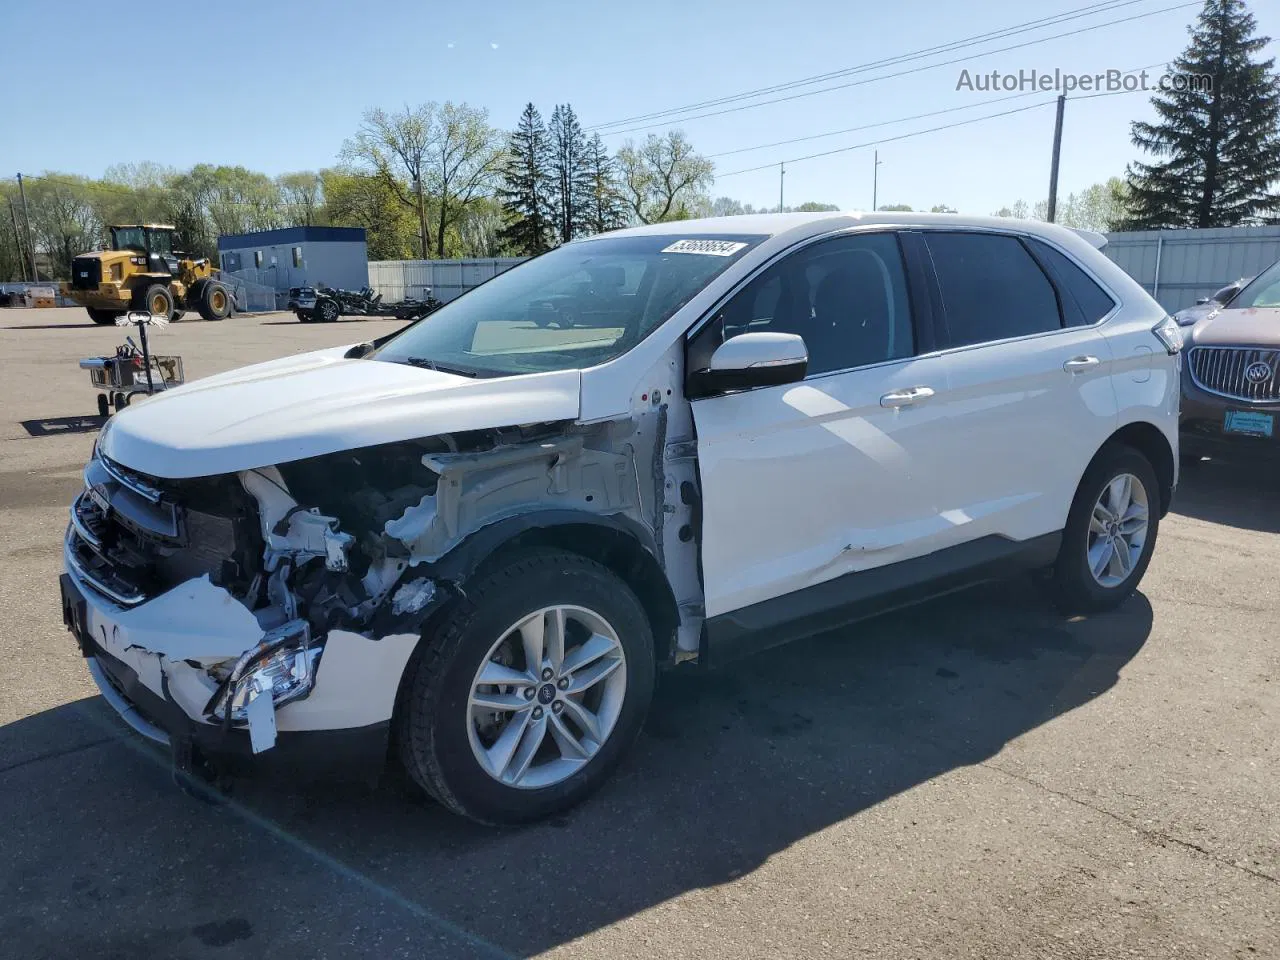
point(57, 326)
point(1237, 493)
point(105, 855)
point(58, 426)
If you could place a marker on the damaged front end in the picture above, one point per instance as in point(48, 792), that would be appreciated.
point(288, 599)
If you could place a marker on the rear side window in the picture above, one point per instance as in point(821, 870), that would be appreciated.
point(992, 288)
point(1093, 302)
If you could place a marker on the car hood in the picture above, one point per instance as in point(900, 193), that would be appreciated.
point(1246, 327)
point(318, 403)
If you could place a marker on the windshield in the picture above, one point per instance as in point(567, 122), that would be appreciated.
point(1263, 291)
point(579, 305)
point(128, 238)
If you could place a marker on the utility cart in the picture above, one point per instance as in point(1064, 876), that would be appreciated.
point(131, 370)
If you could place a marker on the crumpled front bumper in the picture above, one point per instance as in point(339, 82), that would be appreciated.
point(152, 663)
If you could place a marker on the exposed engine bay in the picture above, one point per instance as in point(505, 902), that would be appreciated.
point(306, 586)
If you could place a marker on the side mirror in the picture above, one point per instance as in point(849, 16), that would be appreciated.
point(749, 360)
point(1202, 301)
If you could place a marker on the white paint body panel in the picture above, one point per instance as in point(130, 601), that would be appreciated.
point(318, 403)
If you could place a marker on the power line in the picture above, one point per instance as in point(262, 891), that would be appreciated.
point(917, 116)
point(913, 70)
point(914, 133)
point(1075, 13)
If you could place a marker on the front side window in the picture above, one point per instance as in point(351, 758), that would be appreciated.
point(578, 306)
point(991, 288)
point(847, 297)
point(159, 241)
point(1263, 291)
point(128, 238)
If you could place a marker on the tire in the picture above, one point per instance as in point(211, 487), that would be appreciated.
point(326, 311)
point(214, 301)
point(156, 299)
point(435, 726)
point(305, 316)
point(104, 406)
point(1076, 588)
point(104, 318)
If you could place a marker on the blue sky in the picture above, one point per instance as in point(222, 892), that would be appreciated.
point(277, 86)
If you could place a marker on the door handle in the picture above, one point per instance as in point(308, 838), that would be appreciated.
point(904, 398)
point(1080, 363)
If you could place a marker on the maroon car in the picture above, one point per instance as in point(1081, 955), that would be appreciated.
point(1231, 375)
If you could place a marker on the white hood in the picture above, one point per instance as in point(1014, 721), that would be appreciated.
point(318, 403)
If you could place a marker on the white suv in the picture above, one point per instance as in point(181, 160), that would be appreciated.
point(477, 540)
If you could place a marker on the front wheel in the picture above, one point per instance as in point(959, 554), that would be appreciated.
point(1110, 532)
point(326, 311)
point(526, 698)
point(103, 317)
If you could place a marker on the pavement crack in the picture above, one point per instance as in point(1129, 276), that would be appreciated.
point(54, 754)
point(1158, 837)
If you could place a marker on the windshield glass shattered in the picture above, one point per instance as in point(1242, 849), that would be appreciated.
point(579, 305)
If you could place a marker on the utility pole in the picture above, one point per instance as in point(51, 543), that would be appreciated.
point(782, 172)
point(17, 236)
point(31, 244)
point(875, 181)
point(1053, 166)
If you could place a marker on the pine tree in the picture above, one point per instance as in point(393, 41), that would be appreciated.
point(605, 208)
point(572, 175)
point(1219, 148)
point(527, 187)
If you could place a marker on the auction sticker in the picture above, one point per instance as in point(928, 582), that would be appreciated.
point(709, 248)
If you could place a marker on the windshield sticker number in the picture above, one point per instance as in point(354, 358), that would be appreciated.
point(710, 248)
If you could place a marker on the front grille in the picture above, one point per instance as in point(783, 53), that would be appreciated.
point(1250, 374)
point(86, 273)
point(132, 538)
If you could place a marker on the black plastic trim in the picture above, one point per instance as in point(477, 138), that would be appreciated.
point(868, 593)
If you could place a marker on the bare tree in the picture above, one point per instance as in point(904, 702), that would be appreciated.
point(664, 177)
point(301, 195)
point(393, 147)
point(463, 162)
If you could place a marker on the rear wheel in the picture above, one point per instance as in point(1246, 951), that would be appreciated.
point(156, 300)
point(103, 317)
point(104, 405)
point(524, 700)
point(214, 302)
point(326, 311)
point(1110, 532)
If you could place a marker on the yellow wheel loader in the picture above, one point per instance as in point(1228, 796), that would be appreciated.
point(142, 271)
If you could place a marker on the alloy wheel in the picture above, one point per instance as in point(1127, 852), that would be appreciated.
point(547, 697)
point(1118, 530)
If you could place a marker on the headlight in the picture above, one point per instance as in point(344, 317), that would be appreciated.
point(283, 667)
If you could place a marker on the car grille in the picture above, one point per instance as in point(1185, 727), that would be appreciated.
point(132, 538)
point(1251, 374)
point(86, 273)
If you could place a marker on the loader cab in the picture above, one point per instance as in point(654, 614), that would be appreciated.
point(153, 240)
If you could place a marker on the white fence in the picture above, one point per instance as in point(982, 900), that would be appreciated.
point(1177, 266)
point(402, 279)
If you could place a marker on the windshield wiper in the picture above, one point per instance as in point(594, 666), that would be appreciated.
point(440, 367)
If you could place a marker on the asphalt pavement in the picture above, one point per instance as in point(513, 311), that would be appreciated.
point(978, 777)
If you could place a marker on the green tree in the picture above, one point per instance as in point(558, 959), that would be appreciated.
point(463, 163)
point(894, 208)
point(1217, 149)
point(571, 173)
point(527, 186)
point(942, 208)
point(359, 200)
point(605, 209)
point(664, 178)
point(812, 206)
point(302, 197)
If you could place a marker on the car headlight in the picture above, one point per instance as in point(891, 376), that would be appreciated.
point(283, 667)
point(1169, 334)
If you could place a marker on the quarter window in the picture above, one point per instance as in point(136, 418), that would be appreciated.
point(847, 297)
point(1094, 303)
point(991, 287)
